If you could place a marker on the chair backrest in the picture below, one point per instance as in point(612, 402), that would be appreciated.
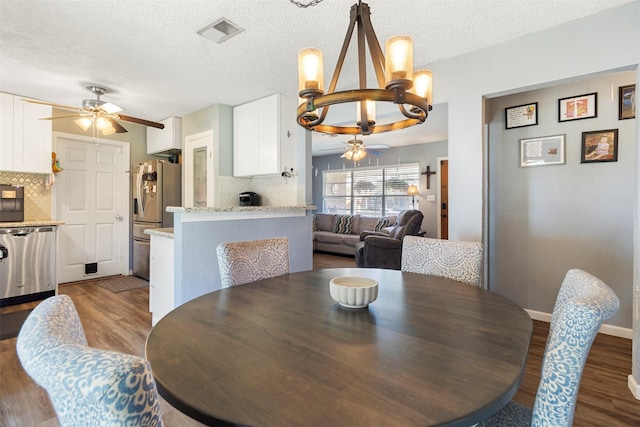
point(583, 303)
point(460, 261)
point(408, 223)
point(246, 262)
point(87, 386)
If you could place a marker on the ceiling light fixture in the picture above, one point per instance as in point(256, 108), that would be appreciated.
point(357, 150)
point(397, 81)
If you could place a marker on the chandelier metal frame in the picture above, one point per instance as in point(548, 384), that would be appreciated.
point(395, 91)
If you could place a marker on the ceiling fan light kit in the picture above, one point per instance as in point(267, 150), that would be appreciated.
point(397, 81)
point(100, 116)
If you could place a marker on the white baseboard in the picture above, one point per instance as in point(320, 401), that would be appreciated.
point(634, 387)
point(616, 331)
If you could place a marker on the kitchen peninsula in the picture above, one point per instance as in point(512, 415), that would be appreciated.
point(197, 232)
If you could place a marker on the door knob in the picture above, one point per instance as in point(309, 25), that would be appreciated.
point(119, 217)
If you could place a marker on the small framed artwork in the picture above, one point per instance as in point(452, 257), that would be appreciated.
point(548, 150)
point(600, 146)
point(578, 107)
point(521, 115)
point(627, 102)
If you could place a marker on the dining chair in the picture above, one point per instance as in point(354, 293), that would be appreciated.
point(87, 386)
point(460, 261)
point(583, 303)
point(249, 261)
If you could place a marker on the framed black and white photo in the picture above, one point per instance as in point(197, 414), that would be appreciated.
point(578, 107)
point(543, 151)
point(521, 115)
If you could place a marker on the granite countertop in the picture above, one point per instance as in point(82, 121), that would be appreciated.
point(181, 209)
point(31, 223)
point(161, 232)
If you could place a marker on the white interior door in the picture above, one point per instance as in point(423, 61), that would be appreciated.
point(91, 197)
point(199, 170)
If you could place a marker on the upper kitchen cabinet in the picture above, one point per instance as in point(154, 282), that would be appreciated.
point(167, 139)
point(264, 136)
point(25, 140)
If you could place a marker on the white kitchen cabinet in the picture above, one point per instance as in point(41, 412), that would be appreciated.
point(25, 140)
point(169, 138)
point(264, 136)
point(161, 292)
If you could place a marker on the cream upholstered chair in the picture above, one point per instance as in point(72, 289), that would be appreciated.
point(460, 261)
point(87, 386)
point(245, 262)
point(583, 303)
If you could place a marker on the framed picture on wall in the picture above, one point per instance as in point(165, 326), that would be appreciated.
point(544, 151)
point(521, 115)
point(599, 146)
point(627, 102)
point(578, 107)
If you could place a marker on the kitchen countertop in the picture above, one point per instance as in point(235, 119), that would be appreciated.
point(161, 232)
point(181, 209)
point(31, 223)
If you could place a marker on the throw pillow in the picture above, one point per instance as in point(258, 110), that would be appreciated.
point(314, 224)
point(343, 224)
point(383, 223)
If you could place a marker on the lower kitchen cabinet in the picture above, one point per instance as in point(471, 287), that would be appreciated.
point(161, 293)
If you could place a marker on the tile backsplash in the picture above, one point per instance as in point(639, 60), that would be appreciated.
point(37, 198)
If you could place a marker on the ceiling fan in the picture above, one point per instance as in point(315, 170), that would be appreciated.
point(100, 115)
point(356, 150)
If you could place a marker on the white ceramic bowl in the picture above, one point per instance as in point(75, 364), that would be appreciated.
point(353, 292)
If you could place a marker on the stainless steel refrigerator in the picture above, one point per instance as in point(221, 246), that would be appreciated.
point(156, 185)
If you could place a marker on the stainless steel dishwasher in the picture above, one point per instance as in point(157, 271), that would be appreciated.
point(27, 264)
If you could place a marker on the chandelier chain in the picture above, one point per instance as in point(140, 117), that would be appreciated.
point(305, 5)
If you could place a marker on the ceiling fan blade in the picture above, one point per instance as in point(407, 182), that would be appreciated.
point(140, 121)
point(66, 107)
point(64, 116)
point(117, 126)
point(110, 108)
point(374, 152)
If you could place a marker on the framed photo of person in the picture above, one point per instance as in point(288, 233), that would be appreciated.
point(578, 107)
point(599, 146)
point(627, 102)
point(521, 115)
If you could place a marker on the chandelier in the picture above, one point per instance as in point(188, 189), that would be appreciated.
point(398, 83)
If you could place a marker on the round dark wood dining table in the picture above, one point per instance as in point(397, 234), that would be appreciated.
point(280, 352)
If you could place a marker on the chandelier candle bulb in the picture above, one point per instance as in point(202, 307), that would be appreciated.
point(310, 72)
point(399, 61)
point(423, 85)
point(370, 110)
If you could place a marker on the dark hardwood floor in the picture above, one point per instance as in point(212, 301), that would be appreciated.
point(121, 322)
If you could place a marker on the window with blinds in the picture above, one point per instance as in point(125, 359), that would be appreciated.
point(369, 191)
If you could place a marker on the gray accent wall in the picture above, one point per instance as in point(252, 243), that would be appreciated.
point(545, 220)
point(425, 154)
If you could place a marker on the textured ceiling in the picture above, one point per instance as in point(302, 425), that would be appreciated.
point(149, 54)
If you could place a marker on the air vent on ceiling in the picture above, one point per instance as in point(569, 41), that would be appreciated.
point(220, 30)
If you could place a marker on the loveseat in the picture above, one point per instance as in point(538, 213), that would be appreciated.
point(340, 234)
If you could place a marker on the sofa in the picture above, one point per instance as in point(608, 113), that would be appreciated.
point(340, 234)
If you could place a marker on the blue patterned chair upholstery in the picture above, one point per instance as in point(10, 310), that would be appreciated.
point(460, 261)
point(87, 386)
point(246, 262)
point(583, 303)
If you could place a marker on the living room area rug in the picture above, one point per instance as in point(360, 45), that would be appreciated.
point(118, 284)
